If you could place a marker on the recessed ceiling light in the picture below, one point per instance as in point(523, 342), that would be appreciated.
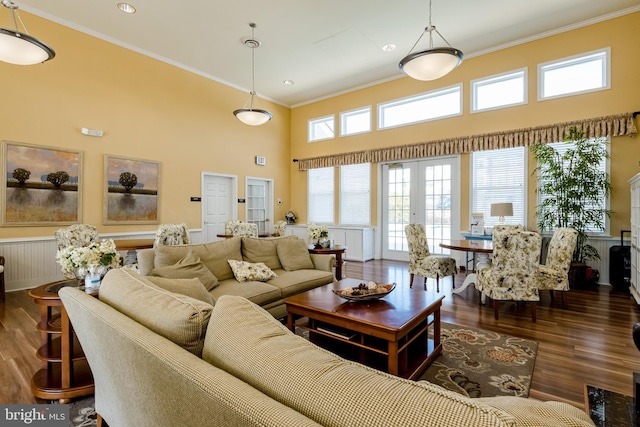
point(389, 47)
point(288, 82)
point(126, 8)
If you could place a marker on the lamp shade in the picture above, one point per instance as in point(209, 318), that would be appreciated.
point(431, 64)
point(22, 49)
point(252, 117)
point(502, 209)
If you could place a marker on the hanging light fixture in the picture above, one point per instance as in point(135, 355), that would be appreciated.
point(432, 63)
point(20, 48)
point(252, 116)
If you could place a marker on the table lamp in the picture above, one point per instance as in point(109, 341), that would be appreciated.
point(501, 210)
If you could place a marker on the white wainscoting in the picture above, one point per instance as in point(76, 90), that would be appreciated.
point(31, 262)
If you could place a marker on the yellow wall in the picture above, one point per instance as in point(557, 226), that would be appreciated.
point(148, 110)
point(620, 34)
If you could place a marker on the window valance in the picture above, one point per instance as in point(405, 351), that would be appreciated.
point(616, 125)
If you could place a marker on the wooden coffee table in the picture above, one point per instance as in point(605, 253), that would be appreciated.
point(391, 334)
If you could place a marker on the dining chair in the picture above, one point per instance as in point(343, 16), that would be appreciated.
point(514, 264)
point(422, 262)
point(553, 275)
point(172, 234)
point(240, 228)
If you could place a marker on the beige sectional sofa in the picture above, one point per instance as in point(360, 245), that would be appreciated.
point(294, 269)
point(161, 358)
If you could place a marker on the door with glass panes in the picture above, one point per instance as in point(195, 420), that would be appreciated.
point(423, 192)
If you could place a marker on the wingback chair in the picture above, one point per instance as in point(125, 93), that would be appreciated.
point(231, 225)
point(512, 275)
point(1, 278)
point(422, 262)
point(554, 274)
point(280, 228)
point(246, 229)
point(172, 234)
point(77, 235)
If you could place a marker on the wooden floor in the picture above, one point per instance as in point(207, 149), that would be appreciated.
point(590, 342)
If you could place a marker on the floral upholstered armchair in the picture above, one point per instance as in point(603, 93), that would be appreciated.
point(172, 234)
point(554, 275)
point(77, 235)
point(514, 265)
point(280, 228)
point(242, 229)
point(422, 262)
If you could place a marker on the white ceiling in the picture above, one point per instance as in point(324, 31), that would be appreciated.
point(325, 47)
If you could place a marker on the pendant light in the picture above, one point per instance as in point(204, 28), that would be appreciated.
point(433, 63)
point(19, 47)
point(252, 116)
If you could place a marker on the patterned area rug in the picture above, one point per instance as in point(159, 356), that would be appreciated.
point(82, 412)
point(478, 363)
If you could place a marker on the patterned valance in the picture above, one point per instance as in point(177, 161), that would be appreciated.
point(616, 125)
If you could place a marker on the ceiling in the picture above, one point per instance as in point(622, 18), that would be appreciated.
point(325, 47)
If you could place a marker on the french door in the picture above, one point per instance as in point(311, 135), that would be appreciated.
point(259, 203)
point(422, 192)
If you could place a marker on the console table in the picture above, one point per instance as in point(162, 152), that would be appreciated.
point(65, 372)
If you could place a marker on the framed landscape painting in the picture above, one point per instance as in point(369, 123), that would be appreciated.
point(40, 185)
point(131, 191)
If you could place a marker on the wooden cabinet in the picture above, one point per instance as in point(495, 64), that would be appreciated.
point(65, 373)
point(634, 288)
point(358, 241)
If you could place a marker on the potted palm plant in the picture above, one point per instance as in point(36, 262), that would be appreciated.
point(571, 187)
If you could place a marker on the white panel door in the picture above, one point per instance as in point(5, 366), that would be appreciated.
point(219, 193)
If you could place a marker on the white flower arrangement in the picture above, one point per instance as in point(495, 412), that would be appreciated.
point(102, 255)
point(316, 232)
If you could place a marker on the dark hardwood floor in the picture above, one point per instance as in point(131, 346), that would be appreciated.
point(589, 342)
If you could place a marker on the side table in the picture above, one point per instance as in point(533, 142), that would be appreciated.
point(338, 252)
point(65, 372)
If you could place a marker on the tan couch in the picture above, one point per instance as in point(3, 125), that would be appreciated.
point(296, 270)
point(160, 358)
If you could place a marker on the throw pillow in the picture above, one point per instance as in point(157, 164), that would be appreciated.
point(260, 250)
point(188, 267)
point(246, 271)
point(294, 255)
point(190, 287)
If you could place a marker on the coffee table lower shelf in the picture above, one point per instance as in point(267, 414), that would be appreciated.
point(409, 357)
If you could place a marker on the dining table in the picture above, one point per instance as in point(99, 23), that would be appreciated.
point(481, 248)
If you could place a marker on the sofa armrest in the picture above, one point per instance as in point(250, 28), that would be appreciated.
point(145, 261)
point(323, 262)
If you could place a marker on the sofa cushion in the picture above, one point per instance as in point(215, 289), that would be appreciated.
point(247, 271)
point(214, 255)
point(177, 317)
point(324, 387)
point(294, 282)
point(190, 287)
point(294, 254)
point(188, 267)
point(260, 293)
point(260, 250)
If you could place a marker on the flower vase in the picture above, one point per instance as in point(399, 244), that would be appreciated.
point(323, 242)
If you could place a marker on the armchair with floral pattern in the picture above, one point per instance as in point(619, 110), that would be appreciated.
point(554, 274)
point(239, 228)
point(422, 262)
point(514, 264)
point(280, 228)
point(172, 234)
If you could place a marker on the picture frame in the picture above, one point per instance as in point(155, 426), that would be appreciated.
point(40, 185)
point(131, 190)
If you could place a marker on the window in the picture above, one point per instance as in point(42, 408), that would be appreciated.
point(355, 121)
point(561, 148)
point(427, 106)
point(355, 191)
point(577, 74)
point(321, 128)
point(499, 91)
point(499, 176)
point(320, 193)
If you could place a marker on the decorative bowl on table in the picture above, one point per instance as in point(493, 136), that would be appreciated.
point(366, 291)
